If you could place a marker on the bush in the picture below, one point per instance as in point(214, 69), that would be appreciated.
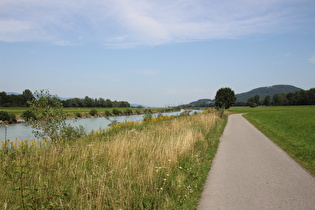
point(70, 133)
point(147, 117)
point(78, 114)
point(50, 118)
point(93, 112)
point(107, 113)
point(28, 115)
point(148, 111)
point(116, 112)
point(4, 116)
point(12, 117)
point(128, 112)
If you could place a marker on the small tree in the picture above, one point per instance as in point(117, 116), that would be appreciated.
point(49, 120)
point(224, 99)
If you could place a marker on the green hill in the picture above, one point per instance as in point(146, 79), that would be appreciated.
point(202, 102)
point(264, 91)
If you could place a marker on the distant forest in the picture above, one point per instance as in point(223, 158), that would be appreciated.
point(301, 97)
point(20, 100)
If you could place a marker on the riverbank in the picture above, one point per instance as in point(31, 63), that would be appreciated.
point(19, 131)
point(160, 164)
point(85, 112)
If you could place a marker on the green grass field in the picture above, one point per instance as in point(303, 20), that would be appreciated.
point(291, 127)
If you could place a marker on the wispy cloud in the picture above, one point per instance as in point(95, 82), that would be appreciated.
point(143, 22)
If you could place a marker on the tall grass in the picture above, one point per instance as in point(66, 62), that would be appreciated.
point(155, 165)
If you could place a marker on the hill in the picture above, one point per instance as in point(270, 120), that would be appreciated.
point(264, 91)
point(202, 102)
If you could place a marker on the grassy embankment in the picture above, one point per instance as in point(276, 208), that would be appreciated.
point(71, 112)
point(161, 164)
point(291, 127)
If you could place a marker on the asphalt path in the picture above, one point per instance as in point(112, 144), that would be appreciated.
point(249, 171)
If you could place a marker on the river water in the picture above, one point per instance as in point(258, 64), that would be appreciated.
point(18, 132)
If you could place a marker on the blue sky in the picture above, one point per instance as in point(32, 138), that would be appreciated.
point(156, 53)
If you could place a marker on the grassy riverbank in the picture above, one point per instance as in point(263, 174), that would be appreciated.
point(291, 127)
point(161, 164)
point(84, 111)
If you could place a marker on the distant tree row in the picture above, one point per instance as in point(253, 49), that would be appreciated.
point(90, 102)
point(21, 101)
point(15, 100)
point(302, 97)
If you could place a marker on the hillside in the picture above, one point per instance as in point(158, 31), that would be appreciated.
point(202, 102)
point(264, 91)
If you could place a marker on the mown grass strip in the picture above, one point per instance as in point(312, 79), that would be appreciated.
point(291, 127)
point(155, 165)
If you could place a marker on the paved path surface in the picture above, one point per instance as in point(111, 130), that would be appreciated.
point(251, 172)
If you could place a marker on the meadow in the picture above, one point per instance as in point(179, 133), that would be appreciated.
point(161, 163)
point(290, 127)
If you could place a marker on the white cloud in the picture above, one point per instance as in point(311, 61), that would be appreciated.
point(312, 59)
point(144, 22)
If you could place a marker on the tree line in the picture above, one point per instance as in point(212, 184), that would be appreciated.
point(21, 100)
point(302, 97)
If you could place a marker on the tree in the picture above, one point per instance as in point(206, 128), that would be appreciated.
point(49, 120)
point(253, 101)
point(225, 98)
point(267, 100)
point(27, 95)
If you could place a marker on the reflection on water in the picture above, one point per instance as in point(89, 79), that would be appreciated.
point(18, 132)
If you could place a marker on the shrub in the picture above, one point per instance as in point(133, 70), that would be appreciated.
point(12, 117)
point(4, 116)
point(148, 111)
point(28, 115)
point(93, 112)
point(69, 132)
point(147, 117)
point(78, 114)
point(128, 111)
point(107, 113)
point(50, 118)
point(116, 112)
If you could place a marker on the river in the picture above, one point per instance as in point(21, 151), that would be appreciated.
point(18, 132)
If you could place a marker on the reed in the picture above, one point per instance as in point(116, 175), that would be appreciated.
point(161, 164)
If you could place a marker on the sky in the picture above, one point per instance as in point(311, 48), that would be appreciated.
point(155, 53)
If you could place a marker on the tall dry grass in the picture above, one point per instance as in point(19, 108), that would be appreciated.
point(151, 166)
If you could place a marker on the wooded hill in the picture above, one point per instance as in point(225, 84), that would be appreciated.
point(242, 98)
point(265, 91)
point(202, 103)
